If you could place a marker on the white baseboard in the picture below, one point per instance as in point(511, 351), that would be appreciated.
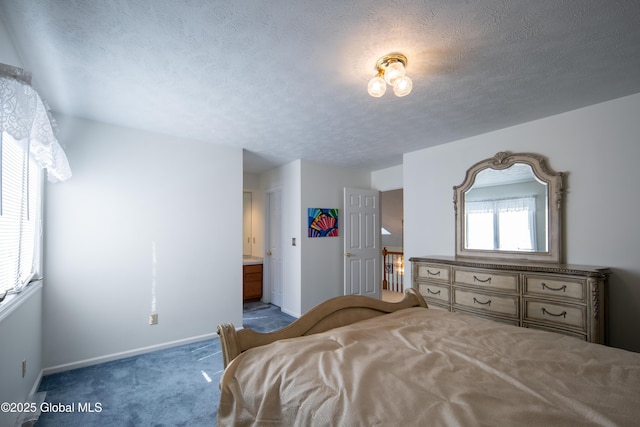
point(122, 355)
point(36, 384)
point(290, 313)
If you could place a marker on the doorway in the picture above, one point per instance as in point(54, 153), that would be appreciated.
point(392, 239)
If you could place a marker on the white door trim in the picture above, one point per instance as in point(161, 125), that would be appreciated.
point(272, 293)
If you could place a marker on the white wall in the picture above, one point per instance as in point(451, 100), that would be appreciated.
point(8, 53)
point(598, 148)
point(323, 257)
point(250, 181)
point(387, 179)
point(21, 328)
point(20, 339)
point(129, 189)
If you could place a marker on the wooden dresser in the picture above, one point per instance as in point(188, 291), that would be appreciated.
point(570, 299)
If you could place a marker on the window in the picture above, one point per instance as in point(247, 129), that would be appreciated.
point(507, 224)
point(27, 146)
point(20, 196)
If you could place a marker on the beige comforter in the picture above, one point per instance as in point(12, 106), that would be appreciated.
point(425, 367)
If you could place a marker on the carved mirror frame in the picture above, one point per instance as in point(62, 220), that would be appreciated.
point(555, 192)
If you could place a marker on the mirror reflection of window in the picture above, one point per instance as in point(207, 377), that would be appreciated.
point(507, 224)
point(517, 228)
point(501, 213)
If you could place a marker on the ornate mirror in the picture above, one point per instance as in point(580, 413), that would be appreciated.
point(509, 207)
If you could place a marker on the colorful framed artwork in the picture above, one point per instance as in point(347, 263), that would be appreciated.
point(323, 222)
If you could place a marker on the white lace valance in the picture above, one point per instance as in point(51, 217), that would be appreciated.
point(24, 115)
point(502, 205)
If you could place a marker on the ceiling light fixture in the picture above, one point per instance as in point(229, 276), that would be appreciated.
point(391, 71)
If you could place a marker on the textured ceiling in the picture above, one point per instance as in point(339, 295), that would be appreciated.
point(287, 79)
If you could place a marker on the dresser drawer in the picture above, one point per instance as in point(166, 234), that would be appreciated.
point(505, 305)
point(252, 268)
point(553, 328)
point(560, 314)
point(253, 277)
point(433, 291)
point(434, 272)
point(555, 287)
point(489, 280)
point(490, 316)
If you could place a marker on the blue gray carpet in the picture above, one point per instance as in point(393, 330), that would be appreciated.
point(172, 387)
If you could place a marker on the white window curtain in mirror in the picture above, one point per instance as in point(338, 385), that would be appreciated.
point(513, 214)
point(498, 224)
point(23, 115)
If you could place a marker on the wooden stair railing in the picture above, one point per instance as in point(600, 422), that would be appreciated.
point(392, 270)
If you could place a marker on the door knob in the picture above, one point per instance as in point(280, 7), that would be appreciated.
point(347, 254)
point(269, 253)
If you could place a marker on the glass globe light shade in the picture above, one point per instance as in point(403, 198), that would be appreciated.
point(393, 73)
point(403, 86)
point(377, 87)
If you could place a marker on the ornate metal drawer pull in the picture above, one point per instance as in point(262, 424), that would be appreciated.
point(488, 280)
point(563, 314)
point(483, 303)
point(433, 293)
point(561, 288)
point(432, 274)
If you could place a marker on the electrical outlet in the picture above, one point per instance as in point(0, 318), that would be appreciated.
point(24, 368)
point(153, 319)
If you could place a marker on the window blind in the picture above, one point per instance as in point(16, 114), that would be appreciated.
point(19, 213)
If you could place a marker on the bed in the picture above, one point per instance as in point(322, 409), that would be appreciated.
point(355, 361)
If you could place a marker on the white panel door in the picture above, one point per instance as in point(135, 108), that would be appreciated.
point(273, 259)
point(362, 253)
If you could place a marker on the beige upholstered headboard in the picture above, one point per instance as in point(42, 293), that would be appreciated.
point(333, 313)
